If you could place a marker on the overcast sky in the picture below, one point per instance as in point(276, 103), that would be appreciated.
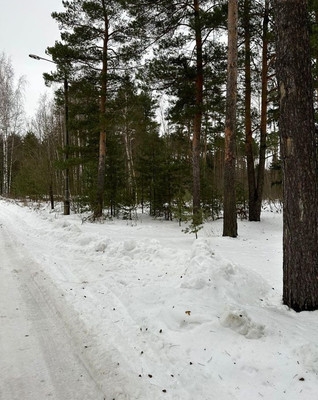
point(26, 26)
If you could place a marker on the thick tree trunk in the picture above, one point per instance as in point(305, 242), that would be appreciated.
point(196, 145)
point(230, 220)
point(298, 148)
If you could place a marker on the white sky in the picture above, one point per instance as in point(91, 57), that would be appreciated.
point(26, 26)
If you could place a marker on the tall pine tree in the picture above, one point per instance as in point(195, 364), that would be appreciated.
point(180, 33)
point(93, 33)
point(299, 156)
point(230, 222)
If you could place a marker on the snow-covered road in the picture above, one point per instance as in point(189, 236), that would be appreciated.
point(39, 358)
point(137, 310)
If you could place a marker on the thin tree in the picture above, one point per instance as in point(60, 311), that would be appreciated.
point(197, 122)
point(98, 210)
point(255, 176)
point(299, 155)
point(230, 219)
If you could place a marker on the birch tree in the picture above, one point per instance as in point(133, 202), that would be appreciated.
point(11, 113)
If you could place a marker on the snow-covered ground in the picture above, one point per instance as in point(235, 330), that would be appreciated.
point(141, 310)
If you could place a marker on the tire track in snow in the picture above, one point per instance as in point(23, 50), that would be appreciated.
point(38, 359)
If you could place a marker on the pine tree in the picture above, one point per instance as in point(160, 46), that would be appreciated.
point(181, 31)
point(313, 8)
point(255, 30)
point(230, 222)
point(133, 116)
point(299, 156)
point(93, 33)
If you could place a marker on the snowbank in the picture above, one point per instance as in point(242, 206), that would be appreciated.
point(156, 314)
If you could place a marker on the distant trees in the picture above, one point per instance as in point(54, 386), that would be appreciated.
point(37, 156)
point(31, 179)
point(181, 33)
point(256, 31)
point(133, 132)
point(299, 156)
point(11, 117)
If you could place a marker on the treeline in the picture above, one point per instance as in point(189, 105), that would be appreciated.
point(146, 101)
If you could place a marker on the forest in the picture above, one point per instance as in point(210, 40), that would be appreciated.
point(146, 110)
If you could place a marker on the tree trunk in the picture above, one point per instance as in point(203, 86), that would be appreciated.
point(132, 185)
point(196, 146)
point(298, 147)
point(230, 220)
point(51, 195)
point(66, 156)
point(263, 126)
point(255, 180)
point(5, 189)
point(248, 119)
point(98, 211)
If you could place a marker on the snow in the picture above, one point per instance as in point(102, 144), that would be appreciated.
point(141, 310)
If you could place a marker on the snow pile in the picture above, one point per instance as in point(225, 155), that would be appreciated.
point(153, 313)
point(240, 322)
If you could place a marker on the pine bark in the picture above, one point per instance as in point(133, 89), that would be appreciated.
point(66, 156)
point(98, 211)
point(230, 220)
point(248, 118)
point(263, 124)
point(196, 142)
point(299, 158)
